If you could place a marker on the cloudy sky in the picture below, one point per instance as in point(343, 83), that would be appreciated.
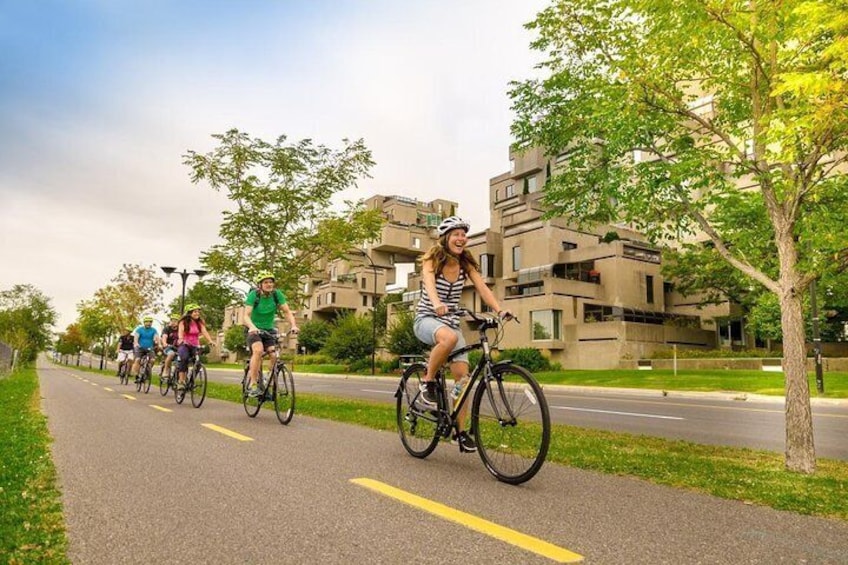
point(99, 100)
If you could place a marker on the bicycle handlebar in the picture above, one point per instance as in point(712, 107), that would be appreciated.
point(463, 311)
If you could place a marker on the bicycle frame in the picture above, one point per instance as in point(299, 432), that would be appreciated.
point(483, 370)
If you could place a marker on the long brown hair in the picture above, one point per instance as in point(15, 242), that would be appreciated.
point(187, 320)
point(440, 256)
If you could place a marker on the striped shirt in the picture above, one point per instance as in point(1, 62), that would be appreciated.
point(449, 293)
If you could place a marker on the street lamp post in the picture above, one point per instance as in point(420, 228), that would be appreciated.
point(184, 275)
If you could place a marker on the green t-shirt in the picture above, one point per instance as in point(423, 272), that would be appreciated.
point(265, 312)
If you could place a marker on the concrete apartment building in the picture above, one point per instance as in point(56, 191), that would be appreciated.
point(584, 302)
point(356, 283)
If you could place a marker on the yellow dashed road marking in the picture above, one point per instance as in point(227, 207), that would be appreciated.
point(508, 535)
point(226, 432)
point(128, 397)
point(109, 389)
point(160, 408)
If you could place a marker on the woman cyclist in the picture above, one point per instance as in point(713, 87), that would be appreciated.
point(446, 267)
point(190, 327)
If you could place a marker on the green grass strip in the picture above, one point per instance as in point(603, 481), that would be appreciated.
point(32, 527)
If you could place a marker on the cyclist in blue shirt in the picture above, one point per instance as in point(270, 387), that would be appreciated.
point(146, 339)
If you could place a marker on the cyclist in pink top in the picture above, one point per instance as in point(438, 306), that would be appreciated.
point(191, 327)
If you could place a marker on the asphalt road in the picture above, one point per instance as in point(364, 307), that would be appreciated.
point(708, 418)
point(143, 485)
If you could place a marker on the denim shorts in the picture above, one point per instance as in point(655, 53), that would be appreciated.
point(425, 329)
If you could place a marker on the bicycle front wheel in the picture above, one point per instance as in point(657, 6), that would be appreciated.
point(147, 378)
point(418, 425)
point(284, 395)
point(164, 384)
point(179, 395)
point(198, 387)
point(252, 404)
point(511, 423)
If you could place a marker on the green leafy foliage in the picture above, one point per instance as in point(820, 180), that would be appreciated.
point(313, 335)
point(350, 339)
point(235, 339)
point(528, 357)
point(401, 339)
point(213, 296)
point(26, 320)
point(282, 220)
point(724, 122)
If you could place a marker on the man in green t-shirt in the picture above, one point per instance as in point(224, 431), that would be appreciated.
point(260, 314)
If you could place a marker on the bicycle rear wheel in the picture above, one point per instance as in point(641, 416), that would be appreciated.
point(198, 387)
point(418, 426)
point(123, 376)
point(164, 384)
point(511, 423)
point(284, 395)
point(252, 404)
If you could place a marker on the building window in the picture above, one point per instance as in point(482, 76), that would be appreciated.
point(567, 246)
point(510, 191)
point(331, 298)
point(497, 195)
point(364, 300)
point(416, 243)
point(649, 288)
point(487, 265)
point(362, 282)
point(530, 184)
point(545, 324)
point(516, 258)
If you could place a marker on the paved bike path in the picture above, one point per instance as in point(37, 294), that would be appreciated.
point(141, 485)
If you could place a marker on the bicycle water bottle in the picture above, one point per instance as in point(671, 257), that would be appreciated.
point(457, 388)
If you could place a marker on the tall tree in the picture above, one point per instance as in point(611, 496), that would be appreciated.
point(664, 109)
point(213, 296)
point(26, 320)
point(134, 291)
point(283, 220)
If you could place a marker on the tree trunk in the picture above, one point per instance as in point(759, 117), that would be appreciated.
point(800, 449)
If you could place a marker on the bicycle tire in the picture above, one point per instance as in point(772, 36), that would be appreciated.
point(147, 378)
point(252, 404)
point(138, 381)
point(123, 376)
point(283, 387)
point(164, 384)
point(198, 387)
point(418, 427)
point(179, 395)
point(513, 451)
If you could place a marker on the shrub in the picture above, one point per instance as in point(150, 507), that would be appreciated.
point(390, 365)
point(401, 338)
point(360, 365)
point(528, 357)
point(313, 335)
point(350, 339)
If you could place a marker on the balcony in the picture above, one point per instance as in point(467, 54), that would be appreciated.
point(550, 285)
point(397, 238)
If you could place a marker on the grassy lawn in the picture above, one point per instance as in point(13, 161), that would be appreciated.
point(755, 382)
point(32, 527)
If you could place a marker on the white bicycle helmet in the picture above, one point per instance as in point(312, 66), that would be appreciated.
point(452, 223)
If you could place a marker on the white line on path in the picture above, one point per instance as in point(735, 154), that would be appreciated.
point(634, 414)
point(378, 391)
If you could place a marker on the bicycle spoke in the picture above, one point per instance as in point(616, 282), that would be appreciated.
point(418, 426)
point(512, 425)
